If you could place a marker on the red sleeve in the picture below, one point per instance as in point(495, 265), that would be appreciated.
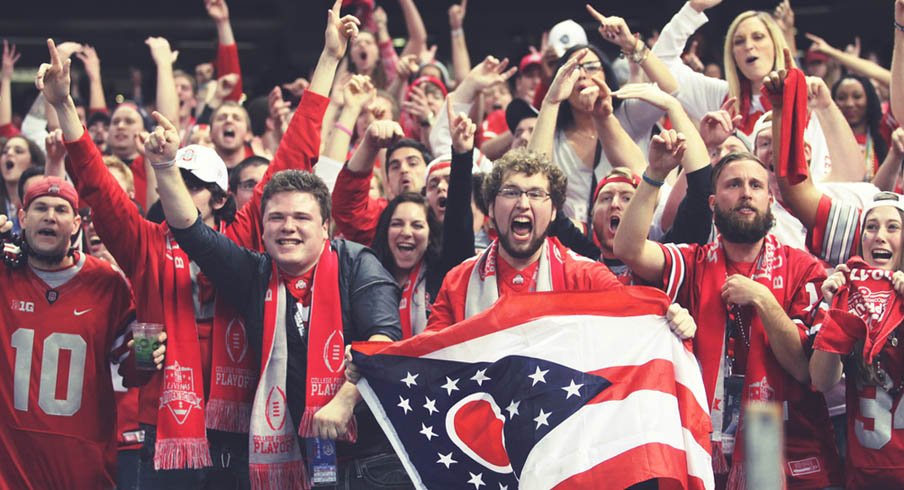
point(9, 130)
point(540, 93)
point(806, 297)
point(675, 270)
point(836, 231)
point(228, 62)
point(116, 219)
point(449, 307)
point(140, 178)
point(354, 211)
point(299, 149)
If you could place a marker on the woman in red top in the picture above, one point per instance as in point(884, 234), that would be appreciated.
point(859, 102)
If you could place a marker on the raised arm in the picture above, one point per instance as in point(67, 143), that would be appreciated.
point(541, 140)
point(615, 30)
point(848, 164)
point(356, 94)
point(619, 147)
point(227, 51)
point(458, 224)
point(461, 59)
point(850, 61)
point(887, 176)
point(97, 102)
point(643, 256)
point(10, 57)
point(167, 101)
point(417, 32)
point(160, 148)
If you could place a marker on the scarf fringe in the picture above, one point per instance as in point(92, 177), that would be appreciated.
point(737, 477)
point(306, 427)
point(229, 416)
point(290, 474)
point(720, 463)
point(182, 453)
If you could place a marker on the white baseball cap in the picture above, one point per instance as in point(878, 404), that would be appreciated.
point(566, 34)
point(205, 164)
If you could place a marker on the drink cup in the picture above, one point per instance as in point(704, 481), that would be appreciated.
point(145, 335)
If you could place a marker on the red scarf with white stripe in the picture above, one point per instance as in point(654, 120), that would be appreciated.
point(274, 454)
point(413, 305)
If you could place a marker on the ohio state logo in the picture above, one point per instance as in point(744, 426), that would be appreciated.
point(333, 350)
point(236, 341)
point(188, 155)
point(179, 392)
point(276, 409)
point(54, 189)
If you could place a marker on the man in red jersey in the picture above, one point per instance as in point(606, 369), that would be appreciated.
point(64, 316)
point(750, 294)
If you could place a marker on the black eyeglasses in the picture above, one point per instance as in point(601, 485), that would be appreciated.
point(513, 193)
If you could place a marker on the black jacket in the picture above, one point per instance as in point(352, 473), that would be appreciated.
point(370, 305)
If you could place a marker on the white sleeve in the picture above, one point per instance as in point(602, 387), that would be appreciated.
point(328, 170)
point(441, 136)
point(638, 118)
point(698, 93)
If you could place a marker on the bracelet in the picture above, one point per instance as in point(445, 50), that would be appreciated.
point(344, 129)
point(899, 27)
point(458, 32)
point(163, 165)
point(654, 183)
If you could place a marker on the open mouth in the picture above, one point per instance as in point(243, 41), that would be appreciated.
point(9, 165)
point(745, 210)
point(47, 232)
point(521, 227)
point(613, 223)
point(882, 255)
point(441, 202)
point(229, 133)
point(288, 242)
point(751, 60)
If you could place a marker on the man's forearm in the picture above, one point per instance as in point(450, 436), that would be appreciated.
point(322, 79)
point(6, 102)
point(338, 143)
point(417, 32)
point(178, 207)
point(897, 75)
point(96, 99)
point(224, 33)
point(543, 137)
point(848, 164)
point(620, 149)
point(696, 155)
point(461, 59)
point(784, 338)
point(167, 98)
point(362, 161)
point(69, 121)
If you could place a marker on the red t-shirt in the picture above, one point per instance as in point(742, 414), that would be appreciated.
point(56, 400)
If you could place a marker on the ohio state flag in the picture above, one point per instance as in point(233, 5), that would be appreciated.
point(545, 390)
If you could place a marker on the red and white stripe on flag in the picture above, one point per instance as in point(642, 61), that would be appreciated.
point(653, 422)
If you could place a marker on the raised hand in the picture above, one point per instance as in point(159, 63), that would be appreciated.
point(88, 57)
point(382, 134)
point(339, 31)
point(5, 224)
point(217, 10)
point(67, 49)
point(563, 83)
point(279, 109)
point(358, 91)
point(647, 92)
point(489, 72)
point(692, 59)
point(896, 143)
point(56, 150)
point(775, 82)
point(784, 16)
point(818, 94)
point(819, 44)
point(701, 5)
point(297, 87)
point(225, 85)
point(52, 78)
point(418, 106)
point(161, 145)
point(407, 66)
point(428, 55)
point(10, 57)
point(462, 129)
point(615, 30)
point(717, 126)
point(681, 323)
point(854, 48)
point(160, 51)
point(834, 281)
point(457, 15)
point(666, 151)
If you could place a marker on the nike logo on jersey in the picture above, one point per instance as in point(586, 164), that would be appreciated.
point(80, 313)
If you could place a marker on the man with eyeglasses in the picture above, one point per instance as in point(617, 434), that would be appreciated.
point(244, 178)
point(524, 192)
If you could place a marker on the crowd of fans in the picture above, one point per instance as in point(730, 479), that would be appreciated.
point(385, 194)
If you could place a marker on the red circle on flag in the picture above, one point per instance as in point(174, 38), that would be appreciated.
point(475, 425)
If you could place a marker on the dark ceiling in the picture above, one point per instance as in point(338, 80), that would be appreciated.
point(280, 39)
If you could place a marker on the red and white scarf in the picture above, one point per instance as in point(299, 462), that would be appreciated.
point(274, 454)
point(181, 433)
point(413, 305)
point(483, 289)
point(764, 377)
point(233, 372)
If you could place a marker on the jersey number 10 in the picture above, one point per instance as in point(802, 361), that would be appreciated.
point(23, 341)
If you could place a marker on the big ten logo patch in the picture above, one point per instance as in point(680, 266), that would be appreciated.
point(23, 306)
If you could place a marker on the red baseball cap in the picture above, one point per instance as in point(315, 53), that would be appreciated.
point(634, 181)
point(51, 186)
point(530, 60)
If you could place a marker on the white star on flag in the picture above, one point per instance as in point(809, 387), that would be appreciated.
point(476, 480)
point(512, 409)
point(446, 459)
point(428, 432)
point(430, 406)
point(538, 376)
point(541, 419)
point(404, 404)
point(450, 386)
point(572, 389)
point(480, 377)
point(503, 487)
point(410, 379)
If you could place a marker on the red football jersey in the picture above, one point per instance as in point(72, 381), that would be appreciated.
point(56, 400)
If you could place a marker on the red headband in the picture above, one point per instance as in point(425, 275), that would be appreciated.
point(51, 186)
point(634, 181)
point(427, 79)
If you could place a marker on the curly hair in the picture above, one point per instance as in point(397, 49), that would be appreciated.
point(524, 161)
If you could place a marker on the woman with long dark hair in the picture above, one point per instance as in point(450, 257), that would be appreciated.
point(859, 102)
point(19, 153)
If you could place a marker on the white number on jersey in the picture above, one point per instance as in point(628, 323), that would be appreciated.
point(23, 341)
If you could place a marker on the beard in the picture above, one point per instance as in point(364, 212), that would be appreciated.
point(735, 229)
point(505, 242)
point(48, 258)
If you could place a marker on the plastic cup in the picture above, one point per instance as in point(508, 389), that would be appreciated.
point(145, 335)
